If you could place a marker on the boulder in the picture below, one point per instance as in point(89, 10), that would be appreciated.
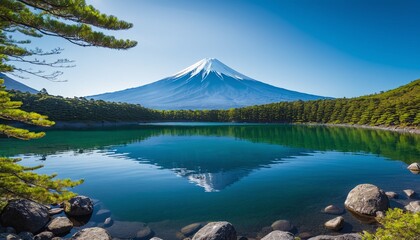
point(410, 193)
point(282, 225)
point(349, 236)
point(26, 236)
point(279, 235)
point(413, 207)
point(156, 238)
point(79, 206)
point(9, 236)
point(335, 224)
point(60, 225)
point(94, 233)
point(44, 236)
point(366, 200)
point(191, 229)
point(391, 195)
point(332, 209)
point(55, 211)
point(25, 215)
point(216, 231)
point(414, 167)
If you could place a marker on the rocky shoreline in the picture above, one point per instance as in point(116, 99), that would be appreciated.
point(400, 129)
point(23, 219)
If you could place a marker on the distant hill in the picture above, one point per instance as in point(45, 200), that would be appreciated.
point(12, 84)
point(207, 84)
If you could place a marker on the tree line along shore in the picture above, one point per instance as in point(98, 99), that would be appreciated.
point(397, 108)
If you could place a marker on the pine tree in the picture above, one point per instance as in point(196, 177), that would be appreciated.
point(72, 20)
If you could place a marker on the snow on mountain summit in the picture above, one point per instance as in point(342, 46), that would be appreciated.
point(207, 65)
point(207, 84)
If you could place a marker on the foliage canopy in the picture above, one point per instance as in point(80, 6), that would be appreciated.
point(72, 20)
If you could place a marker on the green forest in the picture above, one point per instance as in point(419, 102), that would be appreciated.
point(397, 107)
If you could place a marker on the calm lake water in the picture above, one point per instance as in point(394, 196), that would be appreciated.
point(170, 175)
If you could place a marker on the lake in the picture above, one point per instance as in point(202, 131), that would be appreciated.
point(170, 175)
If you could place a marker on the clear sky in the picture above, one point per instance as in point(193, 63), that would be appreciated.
point(326, 47)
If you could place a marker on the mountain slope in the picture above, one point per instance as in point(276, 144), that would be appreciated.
point(15, 85)
point(207, 84)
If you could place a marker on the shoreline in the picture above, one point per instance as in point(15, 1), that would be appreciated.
point(399, 129)
point(105, 124)
point(61, 125)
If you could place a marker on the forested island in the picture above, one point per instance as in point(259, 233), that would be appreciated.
point(397, 107)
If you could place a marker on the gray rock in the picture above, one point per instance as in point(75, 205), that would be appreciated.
point(282, 225)
point(366, 199)
point(332, 209)
point(60, 225)
point(56, 238)
point(413, 206)
point(24, 215)
point(94, 233)
point(79, 206)
point(391, 195)
point(349, 236)
point(156, 238)
point(216, 231)
point(279, 235)
point(191, 229)
point(44, 236)
point(410, 193)
point(414, 167)
point(55, 211)
point(9, 236)
point(26, 236)
point(108, 222)
point(144, 233)
point(335, 224)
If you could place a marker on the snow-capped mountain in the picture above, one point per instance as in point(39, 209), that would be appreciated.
point(12, 84)
point(207, 84)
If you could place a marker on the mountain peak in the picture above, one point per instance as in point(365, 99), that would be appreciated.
point(208, 65)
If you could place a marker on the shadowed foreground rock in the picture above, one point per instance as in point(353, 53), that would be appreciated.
point(216, 231)
point(366, 199)
point(25, 215)
point(279, 235)
point(94, 233)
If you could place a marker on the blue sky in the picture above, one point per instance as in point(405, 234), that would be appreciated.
point(326, 47)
